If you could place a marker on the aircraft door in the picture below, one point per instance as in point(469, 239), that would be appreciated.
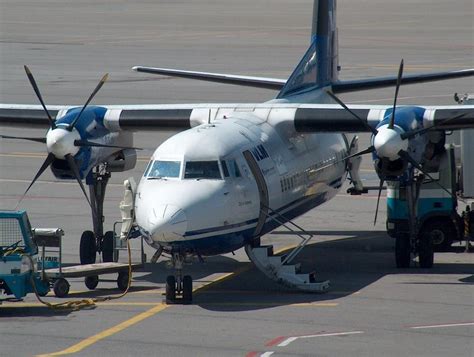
point(262, 191)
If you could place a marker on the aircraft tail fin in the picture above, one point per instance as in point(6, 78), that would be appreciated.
point(319, 65)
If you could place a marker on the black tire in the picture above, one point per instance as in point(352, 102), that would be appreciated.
point(122, 281)
point(425, 251)
point(442, 233)
point(187, 289)
point(108, 247)
point(61, 288)
point(170, 289)
point(402, 251)
point(91, 282)
point(87, 248)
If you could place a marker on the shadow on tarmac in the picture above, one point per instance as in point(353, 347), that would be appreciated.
point(349, 263)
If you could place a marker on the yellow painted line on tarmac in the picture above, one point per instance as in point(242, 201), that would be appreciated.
point(130, 322)
point(109, 332)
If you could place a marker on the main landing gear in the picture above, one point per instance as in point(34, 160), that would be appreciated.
point(96, 241)
point(179, 288)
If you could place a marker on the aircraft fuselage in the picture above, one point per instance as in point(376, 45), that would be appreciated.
point(199, 195)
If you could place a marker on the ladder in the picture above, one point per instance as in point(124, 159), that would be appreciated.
point(279, 267)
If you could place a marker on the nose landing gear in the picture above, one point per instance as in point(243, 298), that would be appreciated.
point(179, 288)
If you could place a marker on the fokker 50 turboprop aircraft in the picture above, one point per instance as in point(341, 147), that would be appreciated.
point(237, 171)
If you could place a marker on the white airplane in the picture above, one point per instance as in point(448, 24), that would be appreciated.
point(238, 171)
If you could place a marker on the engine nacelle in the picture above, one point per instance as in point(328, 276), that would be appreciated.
point(124, 160)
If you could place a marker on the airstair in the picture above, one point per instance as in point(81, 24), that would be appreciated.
point(279, 268)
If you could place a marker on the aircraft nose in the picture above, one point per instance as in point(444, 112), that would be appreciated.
point(167, 222)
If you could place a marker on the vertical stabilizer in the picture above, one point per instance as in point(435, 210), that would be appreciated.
point(319, 65)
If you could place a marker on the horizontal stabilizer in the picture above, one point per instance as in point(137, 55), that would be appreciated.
point(364, 84)
point(257, 82)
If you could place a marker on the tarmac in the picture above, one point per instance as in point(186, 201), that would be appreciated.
point(372, 309)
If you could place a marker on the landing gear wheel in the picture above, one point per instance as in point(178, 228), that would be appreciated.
point(122, 280)
point(425, 251)
point(187, 289)
point(441, 233)
point(91, 282)
point(87, 248)
point(170, 289)
point(61, 288)
point(108, 247)
point(402, 251)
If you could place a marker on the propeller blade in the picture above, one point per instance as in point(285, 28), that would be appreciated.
point(378, 201)
point(75, 170)
point(38, 94)
point(91, 144)
point(421, 131)
point(406, 156)
point(399, 81)
point(49, 159)
point(38, 140)
point(97, 88)
point(341, 103)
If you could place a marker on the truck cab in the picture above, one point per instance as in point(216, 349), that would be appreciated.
point(436, 210)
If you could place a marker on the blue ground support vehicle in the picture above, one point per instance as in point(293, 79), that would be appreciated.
point(436, 215)
point(18, 256)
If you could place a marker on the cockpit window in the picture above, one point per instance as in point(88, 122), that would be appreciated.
point(202, 170)
point(164, 169)
point(233, 168)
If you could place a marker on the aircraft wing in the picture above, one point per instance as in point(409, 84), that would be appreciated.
point(301, 117)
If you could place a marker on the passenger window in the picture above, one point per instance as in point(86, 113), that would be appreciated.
point(202, 170)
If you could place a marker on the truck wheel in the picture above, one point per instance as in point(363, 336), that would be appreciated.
point(441, 233)
point(425, 251)
point(91, 282)
point(402, 251)
point(61, 288)
point(87, 248)
point(108, 247)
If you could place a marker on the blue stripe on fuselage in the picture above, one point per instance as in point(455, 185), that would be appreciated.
point(228, 242)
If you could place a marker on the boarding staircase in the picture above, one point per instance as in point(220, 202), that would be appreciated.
point(279, 268)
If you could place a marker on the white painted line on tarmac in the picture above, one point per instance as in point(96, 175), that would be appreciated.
point(443, 325)
point(266, 354)
point(294, 338)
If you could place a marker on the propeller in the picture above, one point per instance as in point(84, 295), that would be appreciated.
point(397, 88)
point(75, 170)
point(378, 200)
point(390, 143)
point(341, 103)
point(38, 140)
point(94, 92)
point(62, 143)
point(38, 94)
